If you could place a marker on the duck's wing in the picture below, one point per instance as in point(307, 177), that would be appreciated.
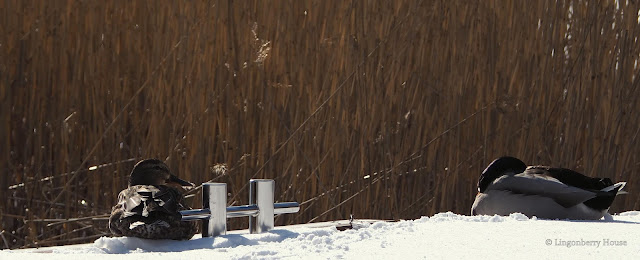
point(602, 187)
point(114, 219)
point(144, 200)
point(527, 183)
point(571, 178)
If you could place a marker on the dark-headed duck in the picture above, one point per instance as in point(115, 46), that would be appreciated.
point(507, 186)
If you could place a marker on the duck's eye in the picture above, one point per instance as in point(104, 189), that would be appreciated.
point(157, 167)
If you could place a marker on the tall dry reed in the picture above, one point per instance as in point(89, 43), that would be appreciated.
point(380, 109)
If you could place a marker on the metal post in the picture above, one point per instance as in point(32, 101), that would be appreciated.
point(261, 194)
point(261, 209)
point(214, 198)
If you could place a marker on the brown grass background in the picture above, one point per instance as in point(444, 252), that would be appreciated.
point(380, 109)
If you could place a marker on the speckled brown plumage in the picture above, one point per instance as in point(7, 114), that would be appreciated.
point(149, 207)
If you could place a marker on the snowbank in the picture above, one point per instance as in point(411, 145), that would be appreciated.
point(444, 235)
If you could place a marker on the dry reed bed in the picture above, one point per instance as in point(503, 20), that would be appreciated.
point(376, 109)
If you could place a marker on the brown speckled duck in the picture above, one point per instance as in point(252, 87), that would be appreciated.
point(149, 207)
point(507, 186)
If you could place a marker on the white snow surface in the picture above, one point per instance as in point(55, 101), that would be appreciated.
point(442, 236)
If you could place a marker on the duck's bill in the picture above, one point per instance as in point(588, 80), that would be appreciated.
point(179, 181)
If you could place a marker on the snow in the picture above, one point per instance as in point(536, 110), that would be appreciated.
point(444, 235)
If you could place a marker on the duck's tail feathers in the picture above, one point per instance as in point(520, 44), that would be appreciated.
point(617, 187)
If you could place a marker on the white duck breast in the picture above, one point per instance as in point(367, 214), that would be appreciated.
point(497, 202)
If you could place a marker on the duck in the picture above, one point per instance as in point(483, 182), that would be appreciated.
point(150, 206)
point(508, 186)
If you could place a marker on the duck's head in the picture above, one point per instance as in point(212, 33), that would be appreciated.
point(499, 167)
point(154, 172)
